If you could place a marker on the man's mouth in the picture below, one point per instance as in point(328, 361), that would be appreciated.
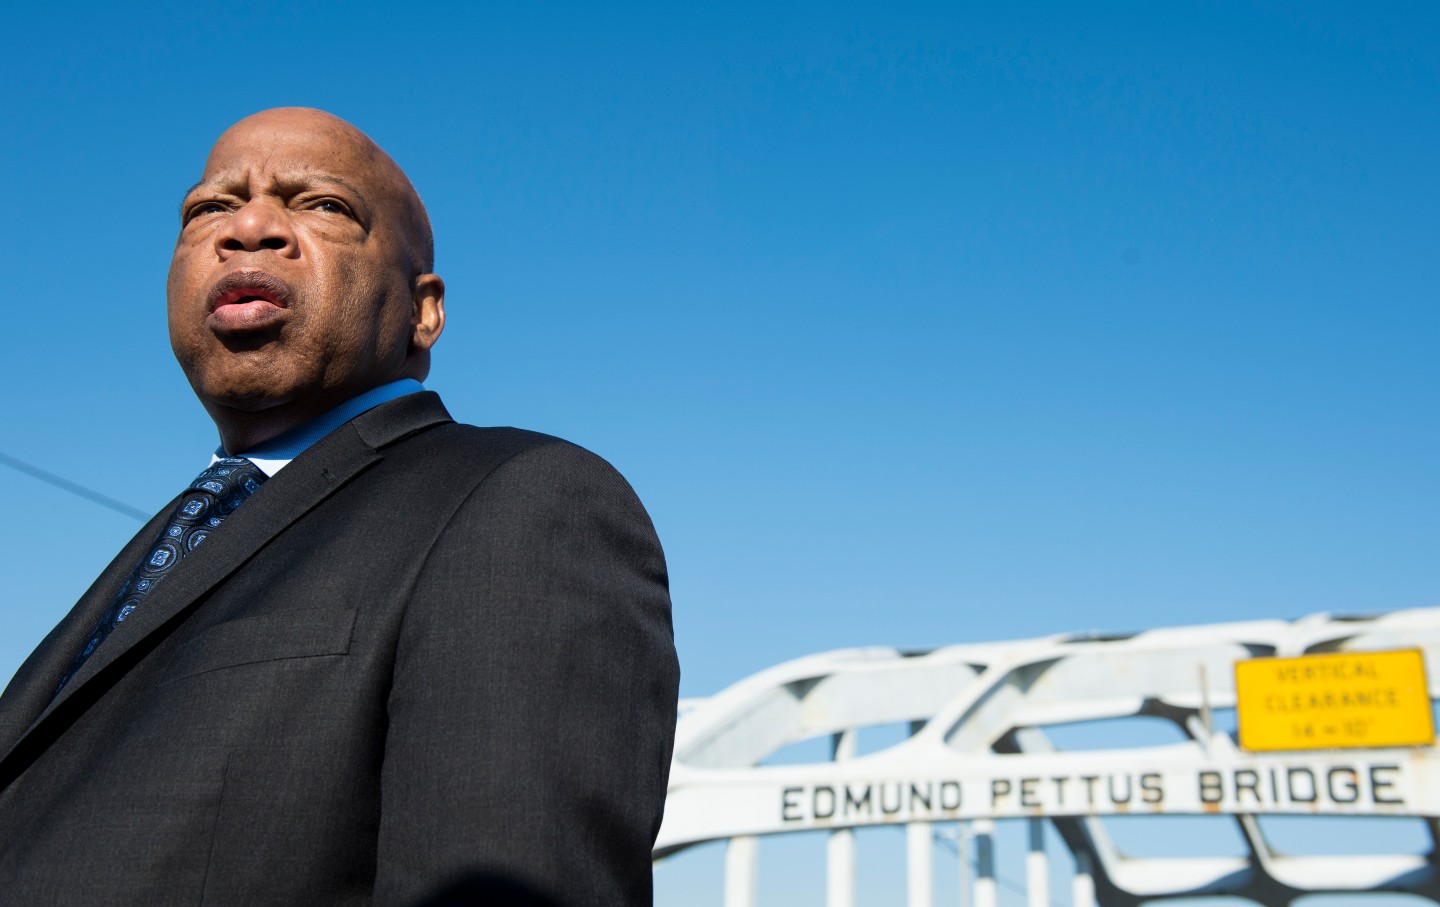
point(247, 301)
point(242, 295)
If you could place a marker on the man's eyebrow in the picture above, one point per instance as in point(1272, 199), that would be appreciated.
point(318, 175)
point(327, 177)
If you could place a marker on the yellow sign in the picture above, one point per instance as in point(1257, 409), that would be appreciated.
point(1346, 699)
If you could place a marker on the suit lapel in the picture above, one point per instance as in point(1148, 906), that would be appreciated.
point(32, 687)
point(298, 488)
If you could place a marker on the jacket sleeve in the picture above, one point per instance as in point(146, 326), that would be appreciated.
point(532, 711)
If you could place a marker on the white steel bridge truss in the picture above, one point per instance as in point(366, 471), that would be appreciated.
point(978, 752)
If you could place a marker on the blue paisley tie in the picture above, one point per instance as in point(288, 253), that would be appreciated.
point(212, 497)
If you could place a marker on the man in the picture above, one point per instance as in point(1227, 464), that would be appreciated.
point(412, 661)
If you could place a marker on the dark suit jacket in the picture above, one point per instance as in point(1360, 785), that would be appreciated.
point(423, 653)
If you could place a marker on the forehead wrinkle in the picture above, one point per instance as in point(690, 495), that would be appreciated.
point(286, 180)
point(319, 176)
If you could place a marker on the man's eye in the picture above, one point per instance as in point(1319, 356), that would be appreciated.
point(329, 205)
point(204, 208)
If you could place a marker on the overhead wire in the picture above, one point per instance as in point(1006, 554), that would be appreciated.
point(953, 846)
point(75, 488)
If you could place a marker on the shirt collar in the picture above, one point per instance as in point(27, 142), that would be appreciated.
point(273, 455)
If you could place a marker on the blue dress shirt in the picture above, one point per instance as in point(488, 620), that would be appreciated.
point(273, 455)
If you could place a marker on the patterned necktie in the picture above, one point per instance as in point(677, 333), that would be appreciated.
point(212, 497)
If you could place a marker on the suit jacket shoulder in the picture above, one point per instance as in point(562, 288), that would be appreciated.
point(423, 653)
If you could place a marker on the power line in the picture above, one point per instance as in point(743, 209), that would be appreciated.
point(953, 845)
point(74, 488)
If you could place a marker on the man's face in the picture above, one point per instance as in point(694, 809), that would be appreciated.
point(294, 276)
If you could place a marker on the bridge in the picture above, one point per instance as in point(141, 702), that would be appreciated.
point(1326, 717)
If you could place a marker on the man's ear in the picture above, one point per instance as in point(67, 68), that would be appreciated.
point(427, 317)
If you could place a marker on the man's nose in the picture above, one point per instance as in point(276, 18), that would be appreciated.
point(259, 224)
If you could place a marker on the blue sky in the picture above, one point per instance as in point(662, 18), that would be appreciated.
point(911, 324)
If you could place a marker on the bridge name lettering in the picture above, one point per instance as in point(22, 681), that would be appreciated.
point(1286, 787)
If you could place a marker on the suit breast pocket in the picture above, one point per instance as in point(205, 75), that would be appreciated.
point(306, 633)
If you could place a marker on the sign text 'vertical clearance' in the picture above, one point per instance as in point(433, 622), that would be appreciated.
point(1344, 699)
